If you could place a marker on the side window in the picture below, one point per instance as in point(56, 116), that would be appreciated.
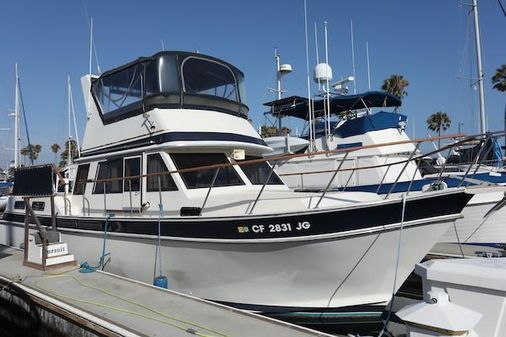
point(258, 173)
point(132, 168)
point(227, 176)
point(107, 170)
point(155, 164)
point(82, 174)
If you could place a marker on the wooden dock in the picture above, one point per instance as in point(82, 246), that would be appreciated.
point(67, 302)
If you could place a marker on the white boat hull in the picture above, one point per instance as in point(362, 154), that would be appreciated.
point(316, 272)
point(480, 225)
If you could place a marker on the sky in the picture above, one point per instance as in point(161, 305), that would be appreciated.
point(428, 42)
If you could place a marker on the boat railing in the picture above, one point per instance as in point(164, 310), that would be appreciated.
point(458, 140)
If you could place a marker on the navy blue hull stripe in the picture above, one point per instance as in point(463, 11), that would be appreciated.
point(275, 226)
point(176, 137)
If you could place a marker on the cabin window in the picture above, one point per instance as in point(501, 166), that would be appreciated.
point(227, 176)
point(109, 170)
point(155, 164)
point(19, 205)
point(38, 205)
point(258, 173)
point(82, 174)
point(132, 168)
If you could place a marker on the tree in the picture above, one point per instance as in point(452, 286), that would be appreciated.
point(499, 78)
point(396, 85)
point(31, 151)
point(55, 148)
point(65, 153)
point(271, 131)
point(438, 122)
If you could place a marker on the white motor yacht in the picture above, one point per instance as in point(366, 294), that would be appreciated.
point(170, 161)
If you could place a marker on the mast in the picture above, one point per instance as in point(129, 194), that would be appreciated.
point(483, 125)
point(310, 110)
point(69, 120)
point(16, 120)
point(278, 88)
point(353, 59)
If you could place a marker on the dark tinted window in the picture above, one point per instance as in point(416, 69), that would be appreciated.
point(132, 168)
point(227, 176)
point(82, 174)
point(119, 89)
point(258, 173)
point(19, 204)
point(209, 78)
point(156, 165)
point(38, 205)
point(107, 170)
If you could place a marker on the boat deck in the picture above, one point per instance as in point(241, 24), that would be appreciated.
point(106, 304)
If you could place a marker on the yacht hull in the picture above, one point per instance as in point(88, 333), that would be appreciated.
point(343, 265)
point(483, 221)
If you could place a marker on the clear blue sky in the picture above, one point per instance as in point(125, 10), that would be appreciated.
point(425, 41)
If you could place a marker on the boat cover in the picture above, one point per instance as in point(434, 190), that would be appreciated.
point(296, 106)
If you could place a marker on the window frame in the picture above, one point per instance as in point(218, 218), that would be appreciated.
point(107, 184)
point(186, 179)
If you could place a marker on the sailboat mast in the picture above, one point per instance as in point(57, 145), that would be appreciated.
point(483, 126)
point(16, 120)
point(69, 121)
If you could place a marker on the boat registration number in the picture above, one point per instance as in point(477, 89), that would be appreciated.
point(282, 227)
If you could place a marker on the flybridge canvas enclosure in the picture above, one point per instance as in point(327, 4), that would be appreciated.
point(170, 80)
point(296, 106)
point(34, 181)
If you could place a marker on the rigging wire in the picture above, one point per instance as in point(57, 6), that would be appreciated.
point(399, 245)
point(502, 8)
point(30, 146)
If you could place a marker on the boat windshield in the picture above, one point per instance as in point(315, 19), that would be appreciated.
point(170, 80)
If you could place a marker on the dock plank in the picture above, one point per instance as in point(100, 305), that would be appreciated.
point(138, 308)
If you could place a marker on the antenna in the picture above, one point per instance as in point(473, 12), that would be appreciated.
point(74, 119)
point(317, 54)
point(89, 66)
point(69, 154)
point(368, 69)
point(327, 88)
point(353, 59)
point(163, 45)
point(311, 125)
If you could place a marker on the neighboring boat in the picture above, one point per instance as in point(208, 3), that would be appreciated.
point(358, 127)
point(5, 189)
point(169, 156)
point(372, 136)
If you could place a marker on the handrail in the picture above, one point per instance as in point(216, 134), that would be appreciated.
point(273, 158)
point(460, 139)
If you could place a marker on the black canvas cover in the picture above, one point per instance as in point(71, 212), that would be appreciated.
point(34, 181)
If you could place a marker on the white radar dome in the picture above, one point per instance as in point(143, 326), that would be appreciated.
point(322, 72)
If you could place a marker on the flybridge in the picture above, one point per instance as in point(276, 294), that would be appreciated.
point(171, 99)
point(167, 80)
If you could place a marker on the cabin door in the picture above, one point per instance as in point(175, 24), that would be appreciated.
point(132, 196)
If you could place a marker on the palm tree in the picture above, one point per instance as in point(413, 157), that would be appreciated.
point(438, 122)
point(31, 151)
point(55, 148)
point(65, 153)
point(499, 78)
point(396, 85)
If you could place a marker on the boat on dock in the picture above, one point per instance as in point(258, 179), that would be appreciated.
point(172, 181)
